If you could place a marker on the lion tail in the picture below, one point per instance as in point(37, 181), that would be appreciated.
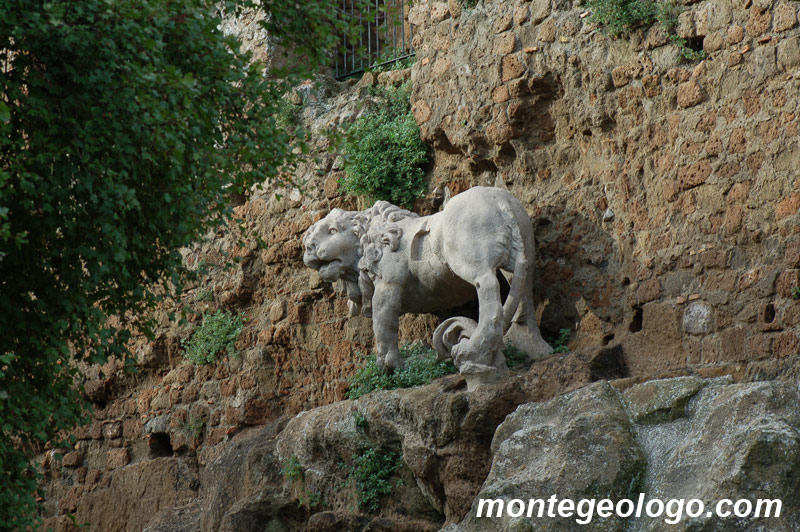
point(515, 292)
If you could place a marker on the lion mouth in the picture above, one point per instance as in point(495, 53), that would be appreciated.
point(330, 271)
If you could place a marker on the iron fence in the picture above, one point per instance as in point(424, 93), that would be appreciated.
point(385, 37)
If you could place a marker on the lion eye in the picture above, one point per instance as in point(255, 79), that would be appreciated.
point(333, 231)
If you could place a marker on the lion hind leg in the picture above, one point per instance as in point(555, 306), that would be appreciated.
point(523, 331)
point(487, 338)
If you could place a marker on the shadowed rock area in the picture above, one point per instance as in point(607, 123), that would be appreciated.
point(712, 440)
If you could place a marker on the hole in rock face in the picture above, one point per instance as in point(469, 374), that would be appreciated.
point(160, 445)
point(636, 322)
point(609, 364)
point(769, 313)
point(607, 338)
point(695, 43)
point(626, 281)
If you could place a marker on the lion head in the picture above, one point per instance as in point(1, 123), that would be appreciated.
point(333, 245)
point(348, 245)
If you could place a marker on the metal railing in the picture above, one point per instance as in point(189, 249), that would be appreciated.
point(385, 37)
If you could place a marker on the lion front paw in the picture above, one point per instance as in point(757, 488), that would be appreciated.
point(393, 361)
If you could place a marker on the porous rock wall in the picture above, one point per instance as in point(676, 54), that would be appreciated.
point(664, 197)
point(665, 194)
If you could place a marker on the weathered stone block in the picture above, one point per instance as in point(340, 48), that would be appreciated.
point(439, 11)
point(112, 430)
point(785, 17)
point(661, 401)
point(256, 412)
point(759, 20)
point(116, 458)
point(690, 94)
point(73, 459)
point(648, 291)
point(511, 68)
point(789, 53)
point(540, 9)
point(504, 43)
point(787, 345)
point(735, 34)
point(697, 318)
point(693, 175)
point(733, 345)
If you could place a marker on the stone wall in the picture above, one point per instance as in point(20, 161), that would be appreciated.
point(665, 194)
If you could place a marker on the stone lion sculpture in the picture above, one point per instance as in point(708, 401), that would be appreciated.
point(393, 261)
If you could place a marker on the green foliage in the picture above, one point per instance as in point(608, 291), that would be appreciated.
point(360, 420)
point(204, 294)
point(796, 292)
point(619, 17)
point(384, 157)
point(514, 357)
point(559, 343)
point(193, 427)
point(309, 498)
point(288, 118)
point(421, 367)
point(371, 473)
point(216, 334)
point(293, 470)
point(125, 128)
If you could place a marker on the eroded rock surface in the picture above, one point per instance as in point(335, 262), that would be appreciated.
point(684, 438)
point(711, 441)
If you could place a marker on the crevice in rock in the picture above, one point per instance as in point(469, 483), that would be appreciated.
point(160, 445)
point(609, 364)
point(636, 322)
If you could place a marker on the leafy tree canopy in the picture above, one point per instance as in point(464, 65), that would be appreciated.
point(124, 127)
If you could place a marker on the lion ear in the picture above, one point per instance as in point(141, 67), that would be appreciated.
point(360, 221)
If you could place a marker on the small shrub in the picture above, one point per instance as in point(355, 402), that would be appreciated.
point(619, 17)
point(293, 470)
point(204, 294)
point(371, 473)
point(421, 367)
point(288, 118)
point(218, 333)
point(360, 420)
point(514, 357)
point(193, 426)
point(309, 499)
point(559, 343)
point(384, 157)
point(796, 292)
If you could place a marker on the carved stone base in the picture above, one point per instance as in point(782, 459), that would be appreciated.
point(477, 368)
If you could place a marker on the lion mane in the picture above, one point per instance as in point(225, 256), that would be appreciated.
point(377, 228)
